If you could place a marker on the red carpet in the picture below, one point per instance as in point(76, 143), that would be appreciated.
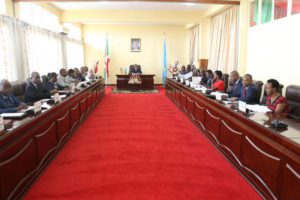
point(140, 147)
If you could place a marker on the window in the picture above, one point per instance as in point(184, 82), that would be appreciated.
point(36, 15)
point(2, 7)
point(253, 13)
point(296, 7)
point(266, 11)
point(280, 9)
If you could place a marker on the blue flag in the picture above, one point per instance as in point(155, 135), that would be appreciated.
point(165, 70)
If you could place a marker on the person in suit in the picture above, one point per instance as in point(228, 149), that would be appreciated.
point(51, 84)
point(249, 92)
point(135, 70)
point(218, 83)
point(210, 76)
point(8, 102)
point(236, 82)
point(203, 76)
point(35, 91)
point(182, 70)
point(79, 75)
point(275, 101)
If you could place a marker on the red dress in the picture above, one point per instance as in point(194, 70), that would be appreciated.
point(219, 85)
point(279, 100)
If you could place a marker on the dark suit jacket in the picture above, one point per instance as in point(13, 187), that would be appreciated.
point(251, 96)
point(8, 104)
point(33, 94)
point(236, 89)
point(133, 70)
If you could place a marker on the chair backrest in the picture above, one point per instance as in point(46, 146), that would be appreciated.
point(225, 78)
point(293, 97)
point(264, 97)
point(258, 85)
point(18, 89)
point(130, 68)
point(45, 80)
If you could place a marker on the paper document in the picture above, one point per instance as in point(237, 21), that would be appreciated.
point(230, 102)
point(46, 106)
point(12, 115)
point(196, 80)
point(63, 96)
point(187, 76)
point(258, 108)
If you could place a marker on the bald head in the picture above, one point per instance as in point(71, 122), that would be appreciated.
point(5, 87)
point(35, 77)
point(234, 75)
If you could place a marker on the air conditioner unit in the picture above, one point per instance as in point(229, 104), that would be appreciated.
point(64, 31)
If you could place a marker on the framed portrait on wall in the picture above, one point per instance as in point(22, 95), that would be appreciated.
point(135, 44)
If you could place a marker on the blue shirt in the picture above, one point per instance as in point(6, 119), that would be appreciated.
point(8, 104)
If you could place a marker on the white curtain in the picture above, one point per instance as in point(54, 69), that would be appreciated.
point(194, 45)
point(26, 48)
point(224, 41)
point(13, 54)
point(74, 53)
point(44, 50)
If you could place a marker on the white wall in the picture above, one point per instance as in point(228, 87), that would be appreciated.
point(274, 51)
point(150, 57)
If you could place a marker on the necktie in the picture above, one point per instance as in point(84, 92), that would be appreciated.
point(244, 92)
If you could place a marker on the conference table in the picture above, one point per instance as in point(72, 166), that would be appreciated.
point(32, 142)
point(147, 82)
point(269, 158)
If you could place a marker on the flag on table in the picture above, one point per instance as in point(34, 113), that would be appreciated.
point(106, 60)
point(96, 67)
point(164, 74)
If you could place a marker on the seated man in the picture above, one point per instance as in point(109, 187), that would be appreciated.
point(35, 91)
point(218, 83)
point(135, 70)
point(62, 79)
point(71, 77)
point(275, 101)
point(249, 93)
point(79, 75)
point(210, 76)
point(236, 83)
point(8, 102)
point(51, 84)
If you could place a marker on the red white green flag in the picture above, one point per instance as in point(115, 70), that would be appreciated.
point(106, 60)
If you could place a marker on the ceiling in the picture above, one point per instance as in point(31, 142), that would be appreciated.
point(126, 5)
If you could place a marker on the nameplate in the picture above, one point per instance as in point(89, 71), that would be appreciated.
point(219, 96)
point(72, 88)
point(37, 107)
point(242, 106)
point(56, 98)
point(1, 124)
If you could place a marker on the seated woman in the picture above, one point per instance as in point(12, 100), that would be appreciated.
point(218, 83)
point(275, 101)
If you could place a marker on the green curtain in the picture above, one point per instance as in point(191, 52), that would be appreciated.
point(255, 13)
point(266, 11)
